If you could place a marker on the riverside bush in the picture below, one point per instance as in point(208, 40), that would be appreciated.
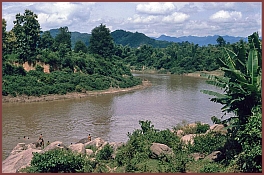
point(207, 143)
point(60, 161)
point(105, 153)
point(210, 168)
point(136, 153)
point(188, 129)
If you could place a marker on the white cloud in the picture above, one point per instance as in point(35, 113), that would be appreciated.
point(176, 17)
point(219, 5)
point(143, 19)
point(225, 16)
point(152, 19)
point(155, 8)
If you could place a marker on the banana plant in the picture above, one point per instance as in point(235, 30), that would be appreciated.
point(241, 81)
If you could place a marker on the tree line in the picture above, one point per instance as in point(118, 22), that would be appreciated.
point(104, 57)
point(81, 69)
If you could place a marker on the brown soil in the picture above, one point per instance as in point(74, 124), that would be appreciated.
point(26, 99)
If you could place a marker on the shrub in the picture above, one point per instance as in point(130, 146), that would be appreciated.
point(207, 143)
point(210, 168)
point(105, 153)
point(60, 161)
point(189, 129)
point(201, 128)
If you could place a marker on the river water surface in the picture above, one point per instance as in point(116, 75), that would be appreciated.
point(170, 100)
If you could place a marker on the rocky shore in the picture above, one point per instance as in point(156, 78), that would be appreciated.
point(21, 156)
point(28, 99)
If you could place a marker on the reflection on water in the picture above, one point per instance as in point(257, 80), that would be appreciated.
point(170, 100)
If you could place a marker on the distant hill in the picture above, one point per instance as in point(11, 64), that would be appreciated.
point(75, 36)
point(119, 36)
point(137, 39)
point(202, 41)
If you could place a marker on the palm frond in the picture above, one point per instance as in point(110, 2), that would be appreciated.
point(216, 94)
point(252, 66)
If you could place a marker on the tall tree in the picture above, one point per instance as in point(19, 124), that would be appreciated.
point(64, 38)
point(220, 41)
point(4, 37)
point(27, 31)
point(80, 46)
point(46, 40)
point(101, 42)
point(62, 42)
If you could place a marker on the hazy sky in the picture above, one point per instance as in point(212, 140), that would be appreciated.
point(151, 18)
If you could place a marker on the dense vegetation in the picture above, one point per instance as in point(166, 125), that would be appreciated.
point(134, 156)
point(242, 85)
point(240, 145)
point(79, 70)
point(97, 67)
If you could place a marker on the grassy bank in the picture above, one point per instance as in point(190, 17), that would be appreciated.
point(53, 97)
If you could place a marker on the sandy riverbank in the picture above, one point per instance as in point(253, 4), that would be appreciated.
point(28, 99)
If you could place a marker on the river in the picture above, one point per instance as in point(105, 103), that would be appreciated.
point(170, 100)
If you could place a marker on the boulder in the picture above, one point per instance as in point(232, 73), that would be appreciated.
point(89, 152)
point(98, 143)
point(197, 156)
point(18, 148)
point(83, 141)
point(188, 138)
point(157, 149)
point(14, 163)
point(31, 145)
point(54, 145)
point(217, 128)
point(115, 146)
point(214, 156)
point(180, 133)
point(78, 147)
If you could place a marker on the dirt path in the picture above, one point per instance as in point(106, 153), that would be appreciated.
point(28, 99)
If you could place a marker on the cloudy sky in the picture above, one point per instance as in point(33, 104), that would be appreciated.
point(151, 18)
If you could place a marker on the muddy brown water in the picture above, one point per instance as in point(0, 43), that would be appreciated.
point(170, 99)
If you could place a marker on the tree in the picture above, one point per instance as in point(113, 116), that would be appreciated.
point(101, 42)
point(64, 38)
point(4, 37)
point(80, 46)
point(242, 92)
point(27, 32)
point(221, 42)
point(46, 40)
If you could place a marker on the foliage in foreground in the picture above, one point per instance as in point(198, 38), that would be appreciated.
point(242, 96)
point(135, 155)
point(60, 161)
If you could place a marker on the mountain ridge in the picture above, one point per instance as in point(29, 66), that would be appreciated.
point(204, 40)
point(137, 39)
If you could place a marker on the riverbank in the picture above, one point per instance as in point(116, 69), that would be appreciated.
point(198, 73)
point(53, 97)
point(110, 154)
point(193, 74)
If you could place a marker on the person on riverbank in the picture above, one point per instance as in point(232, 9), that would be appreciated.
point(47, 143)
point(41, 141)
point(40, 136)
point(89, 138)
